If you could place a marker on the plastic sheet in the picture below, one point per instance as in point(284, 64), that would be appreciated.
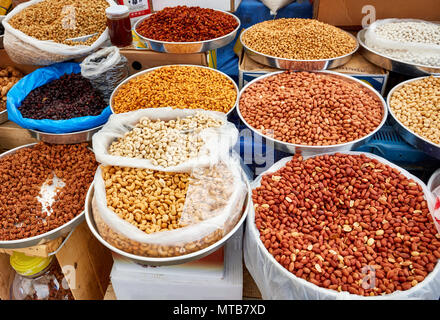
point(36, 79)
point(23, 49)
point(194, 235)
point(218, 141)
point(276, 282)
point(105, 69)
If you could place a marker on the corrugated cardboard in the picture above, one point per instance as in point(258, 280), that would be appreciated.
point(144, 59)
point(357, 67)
point(84, 254)
point(348, 13)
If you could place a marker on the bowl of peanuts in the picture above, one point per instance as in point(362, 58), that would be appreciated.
point(177, 86)
point(414, 106)
point(298, 44)
point(312, 112)
point(347, 225)
point(171, 243)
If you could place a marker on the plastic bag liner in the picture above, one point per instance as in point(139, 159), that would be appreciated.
point(36, 79)
point(23, 49)
point(415, 52)
point(190, 238)
point(218, 141)
point(276, 282)
point(105, 69)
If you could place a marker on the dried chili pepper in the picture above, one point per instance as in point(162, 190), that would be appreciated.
point(187, 24)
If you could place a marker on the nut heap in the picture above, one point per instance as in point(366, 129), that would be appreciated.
point(417, 106)
point(155, 201)
point(183, 87)
point(150, 200)
point(332, 219)
point(8, 77)
point(412, 33)
point(165, 143)
point(187, 24)
point(62, 19)
point(24, 172)
point(300, 39)
point(311, 108)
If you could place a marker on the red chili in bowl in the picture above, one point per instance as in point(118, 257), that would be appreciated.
point(187, 24)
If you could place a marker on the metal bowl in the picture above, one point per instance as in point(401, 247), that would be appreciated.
point(61, 231)
point(163, 261)
point(187, 47)
point(3, 116)
point(313, 150)
point(393, 64)
point(407, 134)
point(181, 65)
point(65, 138)
point(282, 284)
point(293, 64)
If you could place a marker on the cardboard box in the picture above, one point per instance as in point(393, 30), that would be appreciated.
point(225, 5)
point(86, 264)
point(357, 67)
point(139, 60)
point(350, 13)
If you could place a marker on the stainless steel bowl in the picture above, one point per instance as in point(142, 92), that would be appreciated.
point(393, 64)
point(181, 65)
point(65, 138)
point(1, 37)
point(407, 134)
point(293, 64)
point(45, 237)
point(163, 261)
point(313, 150)
point(187, 47)
point(3, 116)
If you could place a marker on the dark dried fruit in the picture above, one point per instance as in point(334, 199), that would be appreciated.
point(70, 96)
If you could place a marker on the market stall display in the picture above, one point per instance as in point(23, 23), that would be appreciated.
point(407, 46)
point(33, 211)
point(298, 44)
point(34, 36)
point(8, 77)
point(57, 104)
point(177, 86)
point(38, 278)
point(312, 112)
point(183, 29)
point(318, 227)
point(414, 108)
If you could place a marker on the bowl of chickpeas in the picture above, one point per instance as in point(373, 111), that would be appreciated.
point(414, 107)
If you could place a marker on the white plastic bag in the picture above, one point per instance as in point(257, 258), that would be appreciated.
point(218, 141)
point(275, 5)
point(190, 238)
point(23, 49)
point(276, 282)
point(419, 53)
point(105, 69)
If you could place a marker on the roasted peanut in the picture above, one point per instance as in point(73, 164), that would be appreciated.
point(332, 217)
point(310, 108)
